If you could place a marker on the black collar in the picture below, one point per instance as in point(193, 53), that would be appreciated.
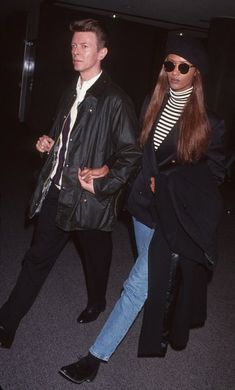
point(98, 87)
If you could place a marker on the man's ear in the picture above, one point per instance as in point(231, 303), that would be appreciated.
point(102, 53)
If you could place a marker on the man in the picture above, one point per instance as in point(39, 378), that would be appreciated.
point(92, 152)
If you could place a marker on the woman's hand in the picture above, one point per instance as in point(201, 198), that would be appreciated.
point(87, 185)
point(44, 144)
point(88, 174)
point(152, 184)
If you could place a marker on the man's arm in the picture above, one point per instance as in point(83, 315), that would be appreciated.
point(127, 154)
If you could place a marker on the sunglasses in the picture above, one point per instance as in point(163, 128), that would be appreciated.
point(169, 66)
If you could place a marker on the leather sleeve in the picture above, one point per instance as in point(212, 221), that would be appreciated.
point(127, 155)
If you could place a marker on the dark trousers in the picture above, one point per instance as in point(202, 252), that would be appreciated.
point(48, 241)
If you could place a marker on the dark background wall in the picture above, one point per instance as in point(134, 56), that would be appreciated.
point(131, 61)
point(134, 59)
point(12, 35)
point(221, 82)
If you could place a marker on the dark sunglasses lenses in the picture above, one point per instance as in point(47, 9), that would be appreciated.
point(169, 66)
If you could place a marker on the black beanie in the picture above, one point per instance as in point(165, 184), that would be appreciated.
point(191, 49)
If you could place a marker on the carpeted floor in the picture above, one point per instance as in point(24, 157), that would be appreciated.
point(49, 336)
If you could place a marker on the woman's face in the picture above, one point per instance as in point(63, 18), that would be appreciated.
point(177, 80)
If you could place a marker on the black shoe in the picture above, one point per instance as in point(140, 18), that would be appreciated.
point(80, 371)
point(91, 313)
point(6, 339)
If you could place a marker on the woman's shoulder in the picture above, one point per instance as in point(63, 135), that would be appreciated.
point(213, 117)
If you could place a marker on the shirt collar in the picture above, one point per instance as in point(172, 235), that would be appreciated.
point(87, 83)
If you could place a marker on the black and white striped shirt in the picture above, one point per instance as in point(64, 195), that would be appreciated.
point(170, 115)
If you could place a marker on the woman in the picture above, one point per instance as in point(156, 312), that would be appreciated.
point(176, 208)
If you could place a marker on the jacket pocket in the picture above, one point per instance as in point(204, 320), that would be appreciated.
point(93, 214)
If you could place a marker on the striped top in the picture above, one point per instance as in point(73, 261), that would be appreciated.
point(170, 115)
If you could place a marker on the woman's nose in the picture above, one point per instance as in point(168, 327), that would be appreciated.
point(176, 70)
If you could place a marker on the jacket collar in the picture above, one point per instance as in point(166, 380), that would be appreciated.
point(98, 87)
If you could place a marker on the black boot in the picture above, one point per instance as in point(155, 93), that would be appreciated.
point(84, 370)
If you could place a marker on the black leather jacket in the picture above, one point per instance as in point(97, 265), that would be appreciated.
point(106, 126)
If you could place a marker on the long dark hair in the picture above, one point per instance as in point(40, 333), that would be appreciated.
point(194, 128)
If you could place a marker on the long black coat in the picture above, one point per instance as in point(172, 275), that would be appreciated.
point(189, 208)
point(185, 210)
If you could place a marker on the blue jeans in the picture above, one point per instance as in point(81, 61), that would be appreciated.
point(131, 301)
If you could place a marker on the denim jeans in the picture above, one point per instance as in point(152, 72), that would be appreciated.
point(131, 301)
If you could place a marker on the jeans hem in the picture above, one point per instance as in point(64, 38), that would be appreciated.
point(105, 359)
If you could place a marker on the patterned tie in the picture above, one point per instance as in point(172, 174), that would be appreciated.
point(69, 122)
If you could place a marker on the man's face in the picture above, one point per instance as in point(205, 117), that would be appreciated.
point(85, 54)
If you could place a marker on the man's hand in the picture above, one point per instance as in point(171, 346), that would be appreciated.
point(44, 144)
